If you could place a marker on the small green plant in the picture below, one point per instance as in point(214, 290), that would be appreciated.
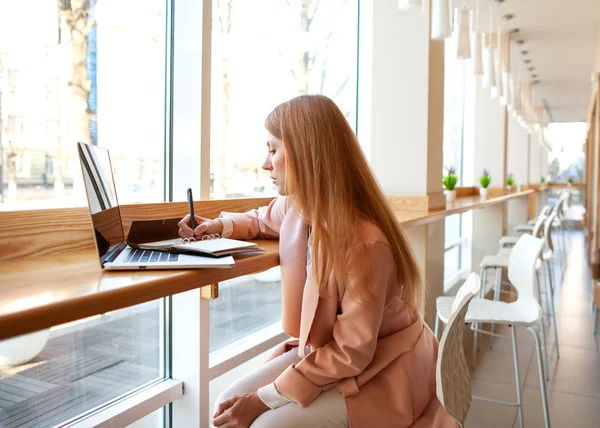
point(510, 180)
point(570, 180)
point(450, 179)
point(485, 179)
point(543, 180)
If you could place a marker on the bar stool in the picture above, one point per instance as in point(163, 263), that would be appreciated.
point(453, 377)
point(545, 261)
point(525, 312)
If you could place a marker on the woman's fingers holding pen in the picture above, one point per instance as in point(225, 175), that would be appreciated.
point(185, 229)
point(208, 227)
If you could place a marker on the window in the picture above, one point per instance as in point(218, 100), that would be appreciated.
point(454, 105)
point(458, 143)
point(114, 96)
point(80, 366)
point(264, 53)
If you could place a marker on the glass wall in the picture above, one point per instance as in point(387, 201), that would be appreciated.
point(458, 137)
point(264, 53)
point(52, 376)
point(91, 71)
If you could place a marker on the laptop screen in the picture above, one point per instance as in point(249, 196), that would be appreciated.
point(102, 198)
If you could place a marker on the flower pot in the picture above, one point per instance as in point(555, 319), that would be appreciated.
point(483, 192)
point(450, 196)
point(507, 190)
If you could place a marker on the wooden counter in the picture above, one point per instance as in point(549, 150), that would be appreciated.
point(55, 288)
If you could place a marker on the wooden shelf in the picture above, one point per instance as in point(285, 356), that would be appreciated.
point(52, 289)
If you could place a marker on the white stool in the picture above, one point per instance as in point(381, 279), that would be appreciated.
point(525, 311)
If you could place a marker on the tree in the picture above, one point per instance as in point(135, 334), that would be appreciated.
point(307, 59)
point(74, 14)
point(225, 14)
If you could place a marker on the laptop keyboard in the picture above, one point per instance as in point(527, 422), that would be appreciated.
point(149, 256)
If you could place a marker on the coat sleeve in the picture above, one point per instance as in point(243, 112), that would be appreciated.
point(355, 334)
point(263, 223)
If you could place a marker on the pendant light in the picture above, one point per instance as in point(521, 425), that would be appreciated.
point(463, 40)
point(477, 45)
point(410, 4)
point(489, 80)
point(441, 26)
point(500, 68)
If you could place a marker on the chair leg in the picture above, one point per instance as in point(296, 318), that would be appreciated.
point(541, 375)
point(543, 338)
point(437, 326)
point(483, 275)
point(517, 376)
point(496, 298)
point(595, 312)
point(553, 315)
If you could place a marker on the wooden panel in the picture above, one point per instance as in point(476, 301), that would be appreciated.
point(41, 292)
point(208, 209)
point(55, 231)
point(466, 191)
point(39, 232)
point(566, 185)
point(496, 192)
point(417, 202)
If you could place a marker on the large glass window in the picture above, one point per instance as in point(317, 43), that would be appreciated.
point(52, 376)
point(91, 71)
point(263, 53)
point(458, 146)
point(454, 104)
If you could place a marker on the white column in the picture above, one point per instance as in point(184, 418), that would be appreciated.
point(518, 165)
point(490, 119)
point(535, 153)
point(401, 109)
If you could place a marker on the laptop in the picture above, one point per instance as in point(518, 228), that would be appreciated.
point(113, 251)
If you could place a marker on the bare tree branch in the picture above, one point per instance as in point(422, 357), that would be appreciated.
point(342, 86)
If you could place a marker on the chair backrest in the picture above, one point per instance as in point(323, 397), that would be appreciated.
point(453, 375)
point(537, 229)
point(548, 224)
point(521, 265)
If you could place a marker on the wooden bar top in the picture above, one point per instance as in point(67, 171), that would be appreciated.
point(52, 289)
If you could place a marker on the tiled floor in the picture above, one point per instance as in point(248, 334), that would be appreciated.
point(574, 385)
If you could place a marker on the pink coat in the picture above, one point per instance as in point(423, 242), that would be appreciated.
point(380, 355)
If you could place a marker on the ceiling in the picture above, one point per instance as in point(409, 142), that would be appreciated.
point(562, 40)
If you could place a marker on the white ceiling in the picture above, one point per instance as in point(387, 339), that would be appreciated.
point(562, 38)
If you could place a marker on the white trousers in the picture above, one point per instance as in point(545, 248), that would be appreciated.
point(327, 411)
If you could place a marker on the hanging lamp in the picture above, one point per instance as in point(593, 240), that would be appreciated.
point(476, 50)
point(441, 26)
point(463, 40)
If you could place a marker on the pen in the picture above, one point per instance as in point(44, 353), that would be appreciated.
point(191, 205)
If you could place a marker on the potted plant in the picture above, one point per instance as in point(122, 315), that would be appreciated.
point(449, 181)
point(570, 182)
point(509, 182)
point(485, 181)
point(542, 180)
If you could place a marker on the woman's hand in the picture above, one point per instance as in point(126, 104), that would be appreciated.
point(205, 227)
point(239, 411)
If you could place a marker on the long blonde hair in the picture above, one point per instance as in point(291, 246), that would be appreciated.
point(329, 181)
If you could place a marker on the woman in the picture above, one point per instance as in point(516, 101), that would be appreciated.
point(350, 289)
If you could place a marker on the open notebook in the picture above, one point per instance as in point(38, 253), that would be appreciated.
point(215, 246)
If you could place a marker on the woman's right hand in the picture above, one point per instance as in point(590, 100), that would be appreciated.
point(205, 227)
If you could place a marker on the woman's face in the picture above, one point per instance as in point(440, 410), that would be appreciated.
point(275, 162)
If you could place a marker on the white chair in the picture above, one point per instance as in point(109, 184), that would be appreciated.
point(525, 311)
point(453, 377)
